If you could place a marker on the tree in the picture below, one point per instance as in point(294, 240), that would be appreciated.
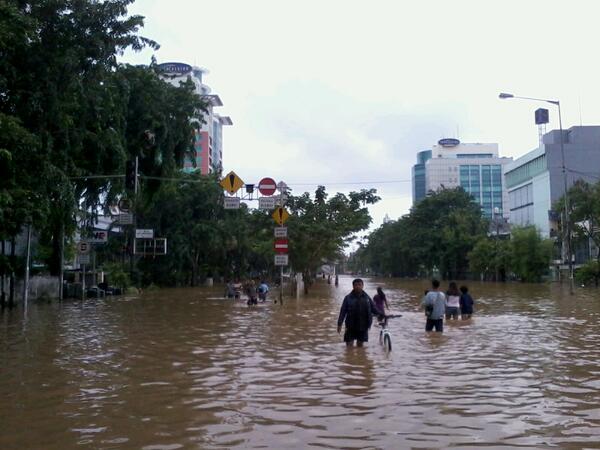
point(490, 256)
point(530, 253)
point(584, 214)
point(57, 81)
point(589, 272)
point(320, 227)
point(439, 232)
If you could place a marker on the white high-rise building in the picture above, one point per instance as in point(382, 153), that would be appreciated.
point(475, 167)
point(208, 145)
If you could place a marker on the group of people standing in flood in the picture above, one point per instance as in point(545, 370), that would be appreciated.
point(234, 289)
point(357, 310)
point(454, 302)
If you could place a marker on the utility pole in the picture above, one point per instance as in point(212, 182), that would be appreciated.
point(27, 263)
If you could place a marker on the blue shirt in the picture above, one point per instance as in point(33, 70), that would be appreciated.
point(438, 301)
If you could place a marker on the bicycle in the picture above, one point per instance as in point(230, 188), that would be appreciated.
point(385, 337)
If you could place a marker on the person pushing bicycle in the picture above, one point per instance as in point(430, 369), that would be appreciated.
point(357, 313)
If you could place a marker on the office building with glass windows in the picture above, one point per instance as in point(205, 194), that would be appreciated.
point(535, 181)
point(475, 167)
point(419, 190)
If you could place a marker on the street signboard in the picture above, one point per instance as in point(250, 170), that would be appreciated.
point(84, 258)
point(125, 219)
point(280, 232)
point(231, 202)
point(99, 237)
point(124, 205)
point(281, 245)
point(83, 247)
point(280, 199)
point(266, 203)
point(232, 183)
point(282, 187)
point(267, 186)
point(281, 260)
point(281, 215)
point(144, 233)
point(150, 247)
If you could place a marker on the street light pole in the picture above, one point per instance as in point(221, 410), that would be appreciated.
point(567, 226)
point(495, 213)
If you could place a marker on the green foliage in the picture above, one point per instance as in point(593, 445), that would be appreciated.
point(68, 110)
point(117, 276)
point(584, 214)
point(320, 227)
point(530, 254)
point(439, 232)
point(589, 272)
point(490, 257)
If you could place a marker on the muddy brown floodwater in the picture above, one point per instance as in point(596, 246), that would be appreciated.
point(176, 369)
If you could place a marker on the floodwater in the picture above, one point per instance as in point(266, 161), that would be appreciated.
point(177, 370)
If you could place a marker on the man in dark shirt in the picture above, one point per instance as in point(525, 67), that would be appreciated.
point(357, 311)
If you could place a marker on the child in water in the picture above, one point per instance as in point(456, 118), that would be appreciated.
point(466, 303)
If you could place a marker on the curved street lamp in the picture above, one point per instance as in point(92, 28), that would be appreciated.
point(505, 95)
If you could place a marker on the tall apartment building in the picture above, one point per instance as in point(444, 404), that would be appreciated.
point(208, 144)
point(477, 168)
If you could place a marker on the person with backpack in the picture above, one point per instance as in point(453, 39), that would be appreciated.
point(434, 304)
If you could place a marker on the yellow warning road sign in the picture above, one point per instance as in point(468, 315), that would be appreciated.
point(231, 182)
point(281, 215)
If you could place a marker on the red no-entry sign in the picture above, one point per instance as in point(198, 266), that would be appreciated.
point(267, 186)
point(281, 245)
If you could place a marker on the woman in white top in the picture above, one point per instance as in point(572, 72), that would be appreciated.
point(452, 301)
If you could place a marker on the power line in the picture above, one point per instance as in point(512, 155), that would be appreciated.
point(349, 183)
point(187, 180)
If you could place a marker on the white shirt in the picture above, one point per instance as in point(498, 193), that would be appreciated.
point(453, 301)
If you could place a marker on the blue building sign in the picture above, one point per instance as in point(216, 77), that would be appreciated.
point(175, 68)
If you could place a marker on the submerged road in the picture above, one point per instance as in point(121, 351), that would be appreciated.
point(175, 369)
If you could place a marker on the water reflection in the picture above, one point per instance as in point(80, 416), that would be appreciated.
point(184, 369)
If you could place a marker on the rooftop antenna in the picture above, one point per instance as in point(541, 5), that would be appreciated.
point(580, 120)
point(457, 132)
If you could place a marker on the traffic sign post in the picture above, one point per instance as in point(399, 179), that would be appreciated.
point(125, 219)
point(267, 186)
point(266, 203)
point(83, 247)
point(144, 233)
point(281, 245)
point(281, 260)
point(281, 215)
point(232, 183)
point(231, 202)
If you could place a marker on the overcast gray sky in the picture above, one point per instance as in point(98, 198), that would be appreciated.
point(343, 91)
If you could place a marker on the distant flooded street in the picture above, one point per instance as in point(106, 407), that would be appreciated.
point(182, 369)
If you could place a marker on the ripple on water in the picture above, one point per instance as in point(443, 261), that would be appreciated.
point(171, 370)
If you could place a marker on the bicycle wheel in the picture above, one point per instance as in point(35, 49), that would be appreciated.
point(387, 343)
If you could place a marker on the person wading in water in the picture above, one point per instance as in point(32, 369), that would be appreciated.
point(357, 312)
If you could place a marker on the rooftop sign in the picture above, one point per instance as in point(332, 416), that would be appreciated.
point(175, 68)
point(449, 142)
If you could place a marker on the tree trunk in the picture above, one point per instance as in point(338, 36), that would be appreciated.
point(3, 277)
point(11, 296)
point(306, 278)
